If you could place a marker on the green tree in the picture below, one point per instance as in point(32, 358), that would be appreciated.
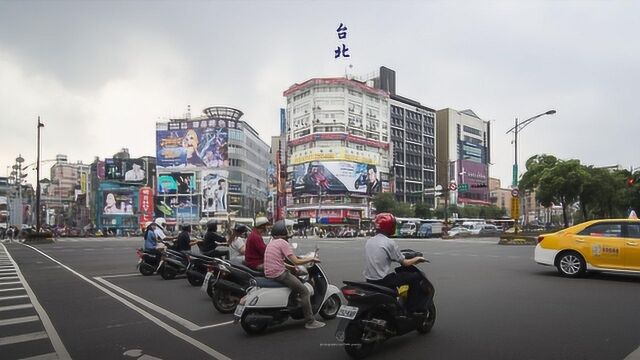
point(423, 211)
point(562, 183)
point(384, 202)
point(403, 209)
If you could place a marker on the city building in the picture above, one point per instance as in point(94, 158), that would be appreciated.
point(413, 140)
point(4, 202)
point(60, 193)
point(499, 196)
point(213, 166)
point(463, 153)
point(338, 156)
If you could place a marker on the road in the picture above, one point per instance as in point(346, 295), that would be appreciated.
point(493, 302)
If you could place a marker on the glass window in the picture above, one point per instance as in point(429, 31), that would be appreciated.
point(633, 231)
point(603, 230)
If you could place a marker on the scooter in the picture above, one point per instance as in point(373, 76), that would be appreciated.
point(231, 284)
point(198, 267)
point(376, 313)
point(175, 263)
point(270, 303)
point(150, 261)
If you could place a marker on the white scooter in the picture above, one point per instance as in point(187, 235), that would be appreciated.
point(270, 303)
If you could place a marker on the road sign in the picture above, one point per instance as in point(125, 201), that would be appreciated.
point(453, 186)
point(515, 193)
point(515, 208)
point(463, 188)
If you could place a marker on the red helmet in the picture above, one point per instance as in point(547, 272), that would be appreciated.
point(386, 223)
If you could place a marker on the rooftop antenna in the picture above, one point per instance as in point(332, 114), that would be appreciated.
point(346, 70)
point(188, 112)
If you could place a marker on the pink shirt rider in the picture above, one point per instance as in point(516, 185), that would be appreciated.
point(275, 254)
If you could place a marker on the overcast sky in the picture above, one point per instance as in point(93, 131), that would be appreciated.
point(100, 74)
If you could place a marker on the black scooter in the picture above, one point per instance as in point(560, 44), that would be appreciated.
point(376, 313)
point(175, 263)
point(150, 261)
point(231, 284)
point(198, 267)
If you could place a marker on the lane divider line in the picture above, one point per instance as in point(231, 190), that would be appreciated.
point(173, 331)
point(58, 346)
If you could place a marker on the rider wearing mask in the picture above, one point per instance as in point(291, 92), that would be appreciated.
point(255, 247)
point(184, 241)
point(275, 268)
point(212, 240)
point(236, 242)
point(380, 254)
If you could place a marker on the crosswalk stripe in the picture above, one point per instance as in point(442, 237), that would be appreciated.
point(49, 356)
point(12, 289)
point(20, 320)
point(23, 338)
point(14, 297)
point(10, 283)
point(7, 278)
point(15, 307)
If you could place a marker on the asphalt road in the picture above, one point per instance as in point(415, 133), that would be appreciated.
point(493, 302)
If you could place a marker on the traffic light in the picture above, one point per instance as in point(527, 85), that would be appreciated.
point(479, 185)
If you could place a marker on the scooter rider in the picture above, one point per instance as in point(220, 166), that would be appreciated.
point(160, 233)
point(212, 240)
point(150, 238)
point(381, 252)
point(275, 254)
point(255, 247)
point(184, 241)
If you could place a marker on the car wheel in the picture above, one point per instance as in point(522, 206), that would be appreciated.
point(571, 264)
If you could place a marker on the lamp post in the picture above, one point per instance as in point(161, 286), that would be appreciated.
point(38, 178)
point(517, 128)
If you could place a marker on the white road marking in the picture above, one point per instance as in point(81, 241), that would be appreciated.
point(635, 355)
point(15, 307)
point(58, 346)
point(23, 338)
point(119, 275)
point(173, 331)
point(50, 356)
point(182, 321)
point(10, 283)
point(2, 279)
point(12, 289)
point(13, 297)
point(19, 320)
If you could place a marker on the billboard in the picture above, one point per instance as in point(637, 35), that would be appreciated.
point(176, 183)
point(118, 202)
point(127, 170)
point(146, 204)
point(214, 191)
point(335, 177)
point(192, 144)
point(178, 207)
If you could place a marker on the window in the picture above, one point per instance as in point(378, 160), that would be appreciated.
point(471, 130)
point(603, 230)
point(633, 231)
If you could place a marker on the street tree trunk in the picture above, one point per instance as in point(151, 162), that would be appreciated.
point(564, 214)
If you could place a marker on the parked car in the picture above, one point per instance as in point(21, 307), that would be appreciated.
point(596, 245)
point(458, 230)
point(426, 230)
point(408, 229)
point(485, 229)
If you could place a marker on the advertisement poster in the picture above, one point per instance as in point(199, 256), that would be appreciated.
point(192, 147)
point(117, 202)
point(335, 177)
point(214, 191)
point(146, 204)
point(179, 208)
point(127, 170)
point(177, 184)
point(272, 177)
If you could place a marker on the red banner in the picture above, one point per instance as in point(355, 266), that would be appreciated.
point(146, 205)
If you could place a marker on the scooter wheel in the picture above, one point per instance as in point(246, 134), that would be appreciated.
point(194, 281)
point(252, 328)
point(330, 308)
point(354, 346)
point(426, 325)
point(167, 273)
point(146, 269)
point(223, 302)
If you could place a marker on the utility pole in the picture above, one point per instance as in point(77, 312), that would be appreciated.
point(38, 178)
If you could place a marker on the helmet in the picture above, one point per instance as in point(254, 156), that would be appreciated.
point(241, 228)
point(161, 222)
point(262, 221)
point(212, 226)
point(146, 225)
point(386, 223)
point(280, 230)
point(185, 227)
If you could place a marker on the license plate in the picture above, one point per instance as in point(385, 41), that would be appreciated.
point(347, 312)
point(205, 283)
point(239, 310)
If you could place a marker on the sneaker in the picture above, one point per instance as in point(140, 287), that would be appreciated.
point(314, 325)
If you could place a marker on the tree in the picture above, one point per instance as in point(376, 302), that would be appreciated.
point(423, 211)
point(562, 183)
point(402, 209)
point(384, 202)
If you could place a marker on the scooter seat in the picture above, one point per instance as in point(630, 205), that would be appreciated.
point(373, 287)
point(268, 283)
point(247, 269)
point(201, 257)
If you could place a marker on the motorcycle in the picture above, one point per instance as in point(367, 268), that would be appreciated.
point(199, 266)
point(150, 261)
point(269, 302)
point(231, 284)
point(175, 263)
point(376, 313)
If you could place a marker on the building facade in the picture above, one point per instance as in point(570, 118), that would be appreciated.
point(59, 198)
point(463, 152)
point(413, 142)
point(210, 166)
point(338, 158)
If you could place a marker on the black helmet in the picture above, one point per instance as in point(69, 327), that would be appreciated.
point(241, 228)
point(186, 227)
point(212, 226)
point(279, 229)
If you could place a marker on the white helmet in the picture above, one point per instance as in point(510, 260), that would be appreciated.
point(161, 222)
point(262, 221)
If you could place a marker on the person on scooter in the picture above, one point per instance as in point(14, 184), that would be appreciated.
point(212, 240)
point(184, 241)
point(160, 232)
point(255, 247)
point(151, 239)
point(380, 254)
point(236, 242)
point(275, 268)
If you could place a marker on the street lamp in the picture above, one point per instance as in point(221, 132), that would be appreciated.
point(40, 125)
point(517, 128)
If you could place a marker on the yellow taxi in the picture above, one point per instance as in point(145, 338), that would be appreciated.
point(597, 245)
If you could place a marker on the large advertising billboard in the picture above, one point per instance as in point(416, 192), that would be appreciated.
point(118, 202)
point(127, 170)
point(146, 204)
point(335, 177)
point(214, 191)
point(193, 144)
point(176, 183)
point(178, 208)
